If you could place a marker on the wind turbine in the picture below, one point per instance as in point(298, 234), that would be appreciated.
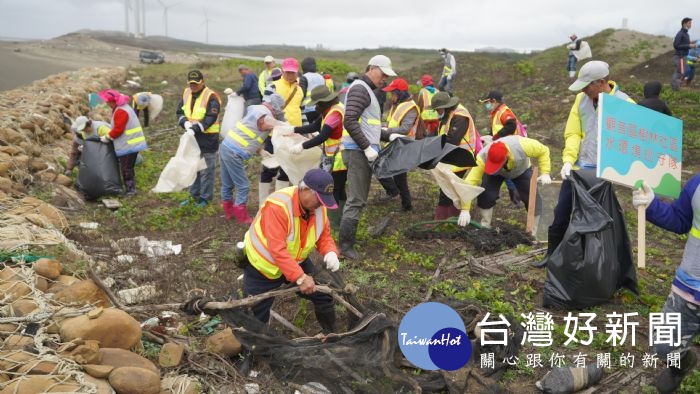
point(206, 22)
point(165, 14)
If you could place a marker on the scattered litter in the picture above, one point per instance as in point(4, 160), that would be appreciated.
point(313, 388)
point(150, 323)
point(108, 282)
point(252, 388)
point(132, 84)
point(163, 82)
point(111, 203)
point(570, 380)
point(150, 248)
point(240, 277)
point(253, 373)
point(125, 258)
point(137, 294)
point(89, 225)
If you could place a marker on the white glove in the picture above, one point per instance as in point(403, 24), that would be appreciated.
point(297, 149)
point(189, 132)
point(545, 179)
point(80, 148)
point(188, 125)
point(394, 136)
point(228, 91)
point(105, 139)
point(643, 196)
point(464, 218)
point(332, 262)
point(566, 170)
point(371, 154)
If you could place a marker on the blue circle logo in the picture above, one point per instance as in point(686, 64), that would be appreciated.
point(432, 336)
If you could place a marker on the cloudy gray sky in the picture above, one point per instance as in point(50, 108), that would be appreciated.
point(461, 25)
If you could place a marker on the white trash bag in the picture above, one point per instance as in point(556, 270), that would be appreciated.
point(232, 114)
point(295, 166)
point(155, 106)
point(181, 170)
point(453, 186)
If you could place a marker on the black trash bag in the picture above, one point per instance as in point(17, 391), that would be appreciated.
point(594, 259)
point(98, 174)
point(404, 154)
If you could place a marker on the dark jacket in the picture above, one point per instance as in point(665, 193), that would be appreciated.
point(308, 65)
point(209, 142)
point(681, 43)
point(356, 101)
point(652, 90)
point(249, 89)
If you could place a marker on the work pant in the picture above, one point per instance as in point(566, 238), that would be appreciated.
point(233, 174)
point(690, 325)
point(690, 73)
point(359, 178)
point(492, 190)
point(445, 85)
point(203, 186)
point(571, 63)
point(679, 64)
point(126, 166)
point(340, 178)
point(256, 283)
point(268, 174)
point(146, 116)
point(398, 185)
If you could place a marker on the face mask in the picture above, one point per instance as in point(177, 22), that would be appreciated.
point(488, 106)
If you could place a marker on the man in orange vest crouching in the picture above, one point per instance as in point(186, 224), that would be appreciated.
point(291, 223)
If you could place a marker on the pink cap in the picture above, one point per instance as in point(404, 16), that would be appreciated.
point(111, 95)
point(290, 64)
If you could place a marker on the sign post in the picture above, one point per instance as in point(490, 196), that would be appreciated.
point(635, 145)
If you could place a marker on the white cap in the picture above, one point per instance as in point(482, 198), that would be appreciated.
point(384, 64)
point(79, 124)
point(269, 59)
point(591, 71)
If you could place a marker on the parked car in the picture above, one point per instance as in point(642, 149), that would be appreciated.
point(151, 57)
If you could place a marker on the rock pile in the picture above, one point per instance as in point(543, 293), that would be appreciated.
point(35, 129)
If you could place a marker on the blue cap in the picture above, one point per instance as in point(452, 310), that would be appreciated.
point(321, 182)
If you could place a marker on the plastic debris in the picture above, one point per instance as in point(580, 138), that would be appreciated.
point(89, 225)
point(137, 294)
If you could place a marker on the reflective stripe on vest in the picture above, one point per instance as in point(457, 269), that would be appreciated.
point(399, 112)
point(496, 124)
point(132, 139)
point(468, 141)
point(256, 242)
point(331, 145)
point(370, 121)
point(695, 232)
point(198, 112)
point(446, 71)
point(245, 136)
point(428, 113)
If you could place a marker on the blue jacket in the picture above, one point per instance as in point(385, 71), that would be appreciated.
point(681, 43)
point(249, 89)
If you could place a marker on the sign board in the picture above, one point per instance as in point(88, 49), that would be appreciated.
point(638, 144)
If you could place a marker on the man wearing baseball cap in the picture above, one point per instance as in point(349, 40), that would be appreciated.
point(580, 141)
point(507, 158)
point(198, 114)
point(363, 124)
point(266, 73)
point(403, 120)
point(291, 223)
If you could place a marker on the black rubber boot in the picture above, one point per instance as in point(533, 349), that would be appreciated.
point(348, 230)
point(671, 378)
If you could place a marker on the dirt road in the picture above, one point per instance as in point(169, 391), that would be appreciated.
point(21, 68)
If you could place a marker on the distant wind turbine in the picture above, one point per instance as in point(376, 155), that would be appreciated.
point(206, 23)
point(165, 14)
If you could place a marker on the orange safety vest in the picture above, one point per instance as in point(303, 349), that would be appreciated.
point(199, 111)
point(256, 245)
point(399, 112)
point(468, 142)
point(496, 124)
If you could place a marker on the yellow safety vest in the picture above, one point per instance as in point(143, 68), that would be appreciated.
point(198, 112)
point(468, 142)
point(496, 124)
point(428, 113)
point(330, 85)
point(399, 112)
point(256, 244)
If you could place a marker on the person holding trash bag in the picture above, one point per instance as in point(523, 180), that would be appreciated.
point(330, 128)
point(140, 102)
point(239, 145)
point(198, 113)
point(457, 124)
point(291, 223)
point(403, 121)
point(83, 128)
point(126, 134)
point(681, 216)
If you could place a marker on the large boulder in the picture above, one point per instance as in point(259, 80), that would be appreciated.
point(88, 352)
point(224, 343)
point(171, 354)
point(48, 268)
point(81, 293)
point(38, 367)
point(41, 384)
point(23, 307)
point(124, 358)
point(102, 385)
point(113, 328)
point(134, 380)
point(98, 371)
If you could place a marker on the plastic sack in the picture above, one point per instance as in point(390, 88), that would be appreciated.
point(594, 258)
point(155, 106)
point(232, 113)
point(570, 380)
point(405, 154)
point(98, 174)
point(453, 186)
point(295, 166)
point(181, 170)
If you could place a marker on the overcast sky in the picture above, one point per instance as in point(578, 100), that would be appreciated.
point(460, 25)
